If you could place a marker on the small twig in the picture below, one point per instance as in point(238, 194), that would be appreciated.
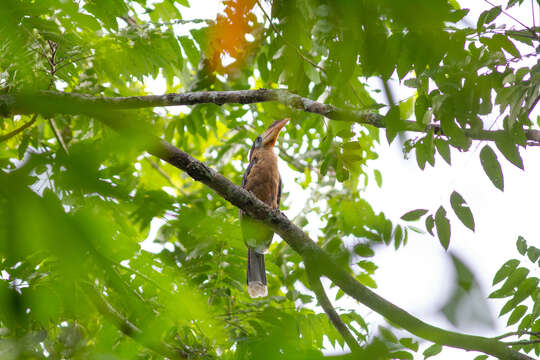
point(318, 289)
point(513, 18)
point(292, 160)
point(532, 12)
point(52, 71)
point(524, 342)
point(180, 22)
point(518, 333)
point(535, 102)
point(72, 62)
point(127, 268)
point(15, 132)
point(57, 135)
point(163, 173)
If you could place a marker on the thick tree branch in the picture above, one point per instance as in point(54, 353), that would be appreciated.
point(69, 103)
point(241, 198)
point(311, 253)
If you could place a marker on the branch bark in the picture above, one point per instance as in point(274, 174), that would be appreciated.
point(241, 198)
point(69, 103)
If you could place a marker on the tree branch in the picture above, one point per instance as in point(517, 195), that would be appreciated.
point(18, 130)
point(69, 103)
point(163, 174)
point(302, 244)
point(318, 289)
point(241, 198)
point(518, 333)
point(523, 342)
point(58, 135)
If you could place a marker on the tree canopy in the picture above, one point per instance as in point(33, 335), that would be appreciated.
point(92, 164)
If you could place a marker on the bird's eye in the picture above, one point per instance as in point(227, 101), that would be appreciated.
point(258, 141)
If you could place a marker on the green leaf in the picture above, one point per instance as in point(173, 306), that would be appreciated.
point(191, 50)
point(388, 334)
point(487, 16)
point(339, 294)
point(481, 357)
point(312, 73)
point(378, 177)
point(533, 253)
point(369, 266)
point(513, 280)
point(461, 209)
point(525, 289)
point(364, 250)
point(414, 215)
point(491, 166)
point(455, 133)
point(432, 350)
point(509, 149)
point(525, 323)
point(165, 11)
point(443, 227)
point(521, 245)
point(398, 236)
point(409, 343)
point(444, 149)
point(500, 41)
point(366, 280)
point(510, 305)
point(421, 154)
point(342, 174)
point(406, 108)
point(401, 355)
point(262, 65)
point(430, 223)
point(505, 270)
point(516, 315)
point(420, 108)
point(393, 123)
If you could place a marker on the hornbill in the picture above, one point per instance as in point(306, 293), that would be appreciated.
point(263, 180)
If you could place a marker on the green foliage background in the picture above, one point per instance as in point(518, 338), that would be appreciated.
point(76, 283)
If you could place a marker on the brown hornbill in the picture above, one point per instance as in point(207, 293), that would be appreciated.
point(263, 180)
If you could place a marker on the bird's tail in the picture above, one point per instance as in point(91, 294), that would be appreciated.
point(256, 274)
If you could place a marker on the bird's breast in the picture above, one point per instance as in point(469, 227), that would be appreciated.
point(263, 180)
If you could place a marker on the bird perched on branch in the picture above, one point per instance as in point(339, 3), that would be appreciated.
point(263, 180)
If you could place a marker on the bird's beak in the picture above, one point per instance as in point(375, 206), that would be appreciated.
point(271, 134)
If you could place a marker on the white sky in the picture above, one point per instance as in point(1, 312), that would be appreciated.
point(418, 276)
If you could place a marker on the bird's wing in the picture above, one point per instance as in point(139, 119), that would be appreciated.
point(248, 170)
point(279, 192)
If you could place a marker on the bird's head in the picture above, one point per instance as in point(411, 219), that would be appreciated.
point(268, 138)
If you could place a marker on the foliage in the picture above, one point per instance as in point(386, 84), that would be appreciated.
point(77, 199)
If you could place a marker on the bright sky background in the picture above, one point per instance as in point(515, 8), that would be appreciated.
point(418, 277)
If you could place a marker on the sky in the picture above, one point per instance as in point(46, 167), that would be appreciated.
point(419, 277)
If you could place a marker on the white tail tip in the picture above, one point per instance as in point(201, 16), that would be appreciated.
point(257, 289)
